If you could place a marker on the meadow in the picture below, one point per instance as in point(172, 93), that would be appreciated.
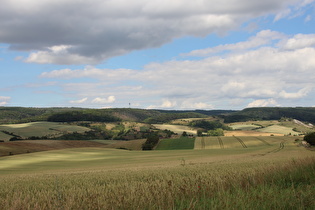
point(257, 177)
point(26, 130)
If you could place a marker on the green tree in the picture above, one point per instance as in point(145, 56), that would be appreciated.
point(151, 142)
point(216, 132)
point(310, 138)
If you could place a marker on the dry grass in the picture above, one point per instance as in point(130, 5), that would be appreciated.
point(176, 128)
point(250, 133)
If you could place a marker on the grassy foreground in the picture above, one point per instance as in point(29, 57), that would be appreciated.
point(94, 178)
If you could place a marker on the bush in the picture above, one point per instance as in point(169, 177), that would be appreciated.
point(310, 138)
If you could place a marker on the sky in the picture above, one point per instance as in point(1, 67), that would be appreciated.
point(157, 54)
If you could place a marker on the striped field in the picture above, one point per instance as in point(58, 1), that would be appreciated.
point(225, 142)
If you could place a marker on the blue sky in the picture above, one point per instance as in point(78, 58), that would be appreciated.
point(227, 54)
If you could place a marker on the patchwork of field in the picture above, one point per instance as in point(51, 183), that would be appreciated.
point(29, 146)
point(250, 133)
point(225, 142)
point(179, 129)
point(26, 130)
point(278, 129)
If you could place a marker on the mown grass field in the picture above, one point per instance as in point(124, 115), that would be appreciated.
point(43, 128)
point(96, 178)
point(278, 129)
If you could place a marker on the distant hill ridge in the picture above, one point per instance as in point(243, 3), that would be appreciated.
point(306, 114)
point(57, 114)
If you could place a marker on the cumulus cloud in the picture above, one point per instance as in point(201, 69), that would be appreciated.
point(262, 38)
point(263, 103)
point(4, 100)
point(80, 101)
point(266, 74)
point(88, 32)
point(109, 99)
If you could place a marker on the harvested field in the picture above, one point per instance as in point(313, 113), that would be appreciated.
point(278, 129)
point(176, 128)
point(250, 133)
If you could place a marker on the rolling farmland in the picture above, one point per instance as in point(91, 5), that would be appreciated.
point(26, 130)
point(225, 142)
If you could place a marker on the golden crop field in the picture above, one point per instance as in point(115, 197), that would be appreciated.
point(100, 178)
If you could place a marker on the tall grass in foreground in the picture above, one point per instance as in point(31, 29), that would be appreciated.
point(204, 186)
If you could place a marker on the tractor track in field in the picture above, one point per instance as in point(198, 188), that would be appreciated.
point(241, 142)
point(281, 147)
point(203, 143)
point(221, 142)
point(263, 141)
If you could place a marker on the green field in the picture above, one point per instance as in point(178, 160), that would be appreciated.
point(26, 130)
point(176, 144)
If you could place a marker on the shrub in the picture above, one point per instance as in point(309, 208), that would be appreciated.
point(310, 138)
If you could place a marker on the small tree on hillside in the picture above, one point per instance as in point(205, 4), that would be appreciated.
point(310, 138)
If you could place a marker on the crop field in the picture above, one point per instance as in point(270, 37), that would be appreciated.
point(225, 142)
point(174, 144)
point(245, 127)
point(100, 178)
point(41, 129)
point(179, 129)
point(29, 146)
point(278, 129)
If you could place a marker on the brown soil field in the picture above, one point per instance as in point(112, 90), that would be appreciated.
point(249, 133)
point(28, 146)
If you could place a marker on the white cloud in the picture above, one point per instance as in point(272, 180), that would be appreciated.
point(298, 41)
point(300, 94)
point(308, 18)
point(88, 32)
point(262, 38)
point(4, 100)
point(263, 103)
point(80, 101)
point(109, 99)
point(263, 74)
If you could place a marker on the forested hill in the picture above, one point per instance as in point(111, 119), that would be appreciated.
point(306, 114)
point(22, 114)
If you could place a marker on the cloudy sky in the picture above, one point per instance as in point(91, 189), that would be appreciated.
point(162, 54)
